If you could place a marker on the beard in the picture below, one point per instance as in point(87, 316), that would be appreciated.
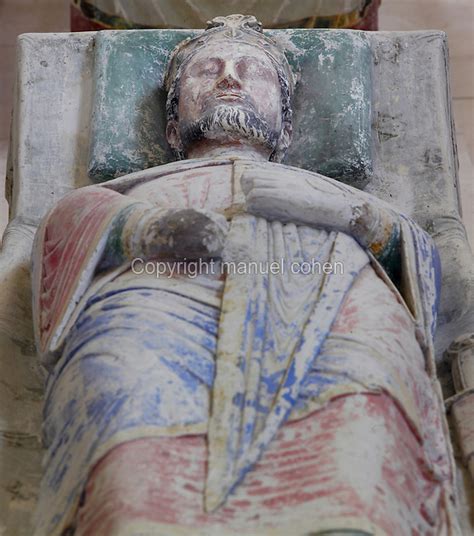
point(229, 123)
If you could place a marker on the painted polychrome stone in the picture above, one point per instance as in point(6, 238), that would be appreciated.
point(236, 345)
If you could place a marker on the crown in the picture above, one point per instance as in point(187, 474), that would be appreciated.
point(235, 23)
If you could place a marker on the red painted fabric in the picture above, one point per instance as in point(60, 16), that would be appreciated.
point(69, 237)
point(161, 480)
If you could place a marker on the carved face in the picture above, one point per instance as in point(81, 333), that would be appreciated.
point(228, 91)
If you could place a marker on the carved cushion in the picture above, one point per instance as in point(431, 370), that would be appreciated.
point(332, 102)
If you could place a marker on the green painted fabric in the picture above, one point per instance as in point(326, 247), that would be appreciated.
point(332, 102)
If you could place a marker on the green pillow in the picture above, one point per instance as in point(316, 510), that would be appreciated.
point(332, 102)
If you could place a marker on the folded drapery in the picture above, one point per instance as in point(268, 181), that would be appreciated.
point(149, 357)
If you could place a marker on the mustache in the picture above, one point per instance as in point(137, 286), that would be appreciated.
point(229, 121)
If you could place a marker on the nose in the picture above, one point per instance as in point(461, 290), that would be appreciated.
point(229, 78)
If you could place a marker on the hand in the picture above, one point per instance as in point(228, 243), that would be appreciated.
point(303, 198)
point(184, 233)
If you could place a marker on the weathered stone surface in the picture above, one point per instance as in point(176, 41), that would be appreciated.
point(415, 160)
point(21, 401)
point(332, 102)
point(50, 134)
point(49, 157)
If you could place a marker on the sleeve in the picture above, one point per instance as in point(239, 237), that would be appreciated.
point(388, 252)
point(421, 281)
point(410, 258)
point(68, 246)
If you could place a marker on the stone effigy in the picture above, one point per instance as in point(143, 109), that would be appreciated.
point(235, 345)
point(106, 87)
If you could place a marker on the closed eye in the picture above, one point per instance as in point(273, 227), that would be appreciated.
point(249, 68)
point(206, 67)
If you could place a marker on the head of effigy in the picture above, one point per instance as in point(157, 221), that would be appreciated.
point(231, 85)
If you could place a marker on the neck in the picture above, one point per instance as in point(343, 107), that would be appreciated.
point(231, 150)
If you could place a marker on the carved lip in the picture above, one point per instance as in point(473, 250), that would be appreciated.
point(229, 95)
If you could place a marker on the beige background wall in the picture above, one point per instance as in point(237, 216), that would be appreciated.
point(456, 17)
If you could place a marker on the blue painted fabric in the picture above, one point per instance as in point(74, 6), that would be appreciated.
point(427, 270)
point(139, 360)
point(106, 389)
point(285, 319)
point(264, 373)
